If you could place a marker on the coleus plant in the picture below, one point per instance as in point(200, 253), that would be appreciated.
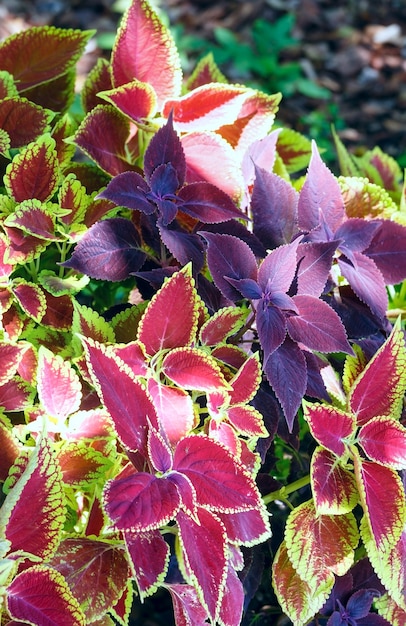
point(146, 430)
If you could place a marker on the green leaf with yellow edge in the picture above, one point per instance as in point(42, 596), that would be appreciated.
point(320, 545)
point(365, 199)
point(34, 172)
point(62, 286)
point(389, 564)
point(353, 366)
point(82, 465)
point(348, 166)
point(30, 528)
point(297, 598)
point(333, 486)
point(294, 149)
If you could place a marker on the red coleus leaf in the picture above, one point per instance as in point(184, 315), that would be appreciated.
point(41, 595)
point(144, 50)
point(247, 421)
point(10, 358)
point(174, 407)
point(380, 387)
point(81, 464)
point(16, 395)
point(187, 608)
point(82, 561)
point(97, 80)
point(383, 501)
point(58, 313)
point(33, 218)
point(34, 529)
point(34, 172)
point(23, 120)
point(22, 248)
point(384, 441)
point(10, 448)
point(221, 325)
point(126, 399)
point(247, 528)
point(170, 320)
point(136, 100)
point(232, 603)
point(330, 426)
point(246, 381)
point(192, 368)
point(159, 452)
point(149, 559)
point(59, 387)
point(334, 489)
point(31, 298)
point(204, 550)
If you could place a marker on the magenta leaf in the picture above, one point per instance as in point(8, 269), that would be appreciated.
point(187, 608)
point(247, 528)
point(330, 426)
point(136, 100)
point(388, 251)
point(109, 250)
point(149, 554)
point(232, 603)
point(174, 407)
point(58, 385)
point(384, 441)
point(159, 451)
point(367, 282)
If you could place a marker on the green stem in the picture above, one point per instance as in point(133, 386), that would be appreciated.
point(283, 492)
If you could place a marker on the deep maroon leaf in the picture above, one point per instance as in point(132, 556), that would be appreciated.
point(367, 282)
point(129, 189)
point(109, 250)
point(207, 203)
point(388, 250)
point(23, 120)
point(98, 79)
point(165, 147)
point(149, 555)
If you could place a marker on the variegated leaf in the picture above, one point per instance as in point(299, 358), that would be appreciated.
point(149, 559)
point(330, 426)
point(192, 368)
point(384, 441)
point(246, 381)
point(174, 407)
point(22, 120)
point(82, 465)
point(59, 388)
point(136, 100)
point(333, 486)
point(34, 218)
point(31, 298)
point(222, 325)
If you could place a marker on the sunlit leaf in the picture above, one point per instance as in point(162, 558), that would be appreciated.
point(333, 486)
point(59, 387)
point(330, 426)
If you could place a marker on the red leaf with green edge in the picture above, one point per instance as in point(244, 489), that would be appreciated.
point(8, 87)
point(221, 483)
point(41, 53)
point(232, 603)
point(82, 466)
point(204, 551)
point(10, 448)
point(72, 196)
point(205, 72)
point(330, 426)
point(384, 441)
point(247, 421)
point(59, 387)
point(34, 172)
point(58, 313)
point(174, 407)
point(246, 381)
point(31, 298)
point(133, 355)
point(149, 559)
point(383, 500)
point(380, 387)
point(34, 529)
point(333, 486)
point(320, 545)
point(229, 354)
point(84, 561)
point(247, 528)
point(170, 319)
point(224, 433)
point(126, 399)
point(102, 136)
point(159, 451)
point(10, 358)
point(136, 100)
point(353, 366)
point(192, 368)
point(298, 600)
point(33, 218)
point(91, 324)
point(23, 120)
point(187, 608)
point(145, 50)
point(41, 595)
point(16, 395)
point(23, 248)
point(389, 564)
point(141, 502)
point(294, 149)
point(98, 79)
point(222, 325)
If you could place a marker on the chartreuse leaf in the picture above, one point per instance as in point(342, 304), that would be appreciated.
point(365, 199)
point(61, 286)
point(34, 529)
point(380, 388)
point(389, 564)
point(41, 595)
point(23, 120)
point(383, 501)
point(7, 85)
point(90, 324)
point(59, 387)
point(82, 561)
point(333, 486)
point(391, 611)
point(149, 559)
point(34, 172)
point(170, 319)
point(298, 599)
point(320, 545)
point(294, 149)
point(145, 50)
point(192, 368)
point(5, 143)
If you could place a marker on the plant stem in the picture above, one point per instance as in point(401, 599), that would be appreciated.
point(283, 492)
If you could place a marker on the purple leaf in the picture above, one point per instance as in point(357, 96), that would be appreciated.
point(164, 180)
point(247, 287)
point(315, 260)
point(129, 189)
point(367, 282)
point(388, 250)
point(165, 147)
point(360, 603)
point(109, 250)
point(274, 209)
point(207, 203)
point(317, 326)
point(278, 269)
point(287, 372)
point(271, 327)
point(184, 246)
point(356, 234)
point(159, 451)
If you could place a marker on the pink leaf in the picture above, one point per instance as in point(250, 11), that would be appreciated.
point(59, 387)
point(188, 610)
point(174, 407)
point(149, 554)
point(10, 359)
point(136, 100)
point(246, 381)
point(192, 368)
point(384, 441)
point(334, 489)
point(233, 600)
point(329, 426)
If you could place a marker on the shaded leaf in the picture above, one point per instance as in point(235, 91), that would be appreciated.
point(23, 120)
point(149, 554)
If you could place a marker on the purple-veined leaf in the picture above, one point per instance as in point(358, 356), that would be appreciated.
point(246, 381)
point(330, 426)
point(136, 100)
point(383, 501)
point(59, 388)
point(298, 599)
point(159, 451)
point(31, 298)
point(149, 559)
point(379, 389)
point(232, 603)
point(23, 120)
point(82, 561)
point(191, 368)
point(34, 529)
point(208, 203)
point(317, 326)
point(274, 209)
point(102, 135)
point(40, 595)
point(34, 172)
point(187, 608)
point(314, 265)
point(221, 483)
point(388, 251)
point(277, 270)
point(144, 50)
point(384, 441)
point(333, 487)
point(109, 250)
point(204, 549)
point(126, 399)
point(286, 371)
point(141, 502)
point(164, 148)
point(229, 256)
point(320, 199)
point(170, 319)
point(174, 407)
point(221, 325)
point(320, 545)
point(366, 281)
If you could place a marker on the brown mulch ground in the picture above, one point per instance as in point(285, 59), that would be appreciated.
point(355, 48)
